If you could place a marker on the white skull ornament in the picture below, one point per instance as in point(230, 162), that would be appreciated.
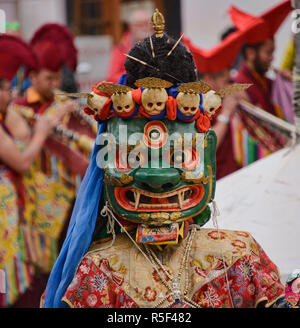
point(154, 100)
point(188, 103)
point(211, 102)
point(96, 102)
point(123, 102)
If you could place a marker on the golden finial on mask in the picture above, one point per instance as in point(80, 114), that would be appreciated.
point(158, 22)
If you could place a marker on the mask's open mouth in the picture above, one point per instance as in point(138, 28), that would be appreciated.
point(134, 199)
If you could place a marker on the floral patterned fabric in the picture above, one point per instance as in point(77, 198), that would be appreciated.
point(292, 289)
point(9, 217)
point(95, 286)
point(48, 200)
point(120, 276)
point(47, 203)
point(16, 273)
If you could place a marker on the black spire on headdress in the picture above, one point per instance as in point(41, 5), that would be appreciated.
point(180, 63)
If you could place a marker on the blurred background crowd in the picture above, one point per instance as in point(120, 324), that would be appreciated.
point(97, 30)
point(92, 37)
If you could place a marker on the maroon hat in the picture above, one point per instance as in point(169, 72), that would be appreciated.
point(62, 51)
point(13, 53)
point(48, 56)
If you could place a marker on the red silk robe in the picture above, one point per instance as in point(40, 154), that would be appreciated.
point(252, 140)
point(260, 91)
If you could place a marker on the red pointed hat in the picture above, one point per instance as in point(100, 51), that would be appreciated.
point(13, 53)
point(219, 57)
point(260, 28)
point(62, 51)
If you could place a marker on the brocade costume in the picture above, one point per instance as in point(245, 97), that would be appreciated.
point(52, 181)
point(16, 273)
point(135, 237)
point(121, 277)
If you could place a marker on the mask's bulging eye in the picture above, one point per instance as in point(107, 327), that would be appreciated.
point(177, 157)
point(121, 160)
point(155, 134)
point(136, 159)
point(128, 160)
point(188, 158)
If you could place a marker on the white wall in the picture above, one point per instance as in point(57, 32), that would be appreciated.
point(34, 13)
point(9, 7)
point(203, 21)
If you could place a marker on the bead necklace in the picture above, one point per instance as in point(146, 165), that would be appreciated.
point(154, 262)
point(176, 282)
point(175, 287)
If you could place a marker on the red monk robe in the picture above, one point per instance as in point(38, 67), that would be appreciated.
point(258, 51)
point(260, 91)
point(225, 161)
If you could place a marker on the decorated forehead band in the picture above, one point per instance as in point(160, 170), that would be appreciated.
point(156, 99)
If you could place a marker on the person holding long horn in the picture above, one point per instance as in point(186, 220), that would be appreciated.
point(14, 163)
